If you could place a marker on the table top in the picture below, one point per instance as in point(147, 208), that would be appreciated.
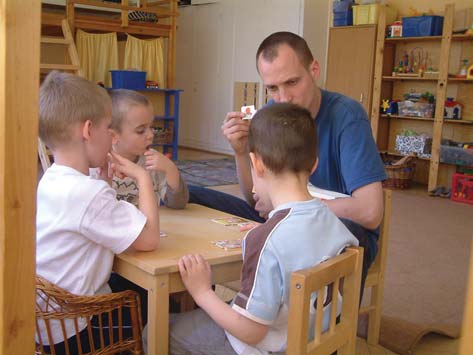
point(189, 231)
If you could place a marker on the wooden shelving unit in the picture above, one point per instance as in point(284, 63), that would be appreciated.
point(385, 86)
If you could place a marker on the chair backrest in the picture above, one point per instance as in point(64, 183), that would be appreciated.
point(343, 273)
point(43, 155)
point(375, 278)
point(113, 322)
point(379, 263)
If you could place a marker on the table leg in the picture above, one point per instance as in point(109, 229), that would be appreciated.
point(158, 316)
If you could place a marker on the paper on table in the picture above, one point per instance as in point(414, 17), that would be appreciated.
point(324, 194)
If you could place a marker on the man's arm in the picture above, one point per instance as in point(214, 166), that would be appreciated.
point(364, 207)
point(236, 131)
point(196, 275)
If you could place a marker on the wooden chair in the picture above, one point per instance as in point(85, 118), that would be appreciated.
point(341, 272)
point(43, 155)
point(375, 277)
point(54, 304)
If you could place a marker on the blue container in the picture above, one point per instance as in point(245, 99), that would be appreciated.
point(342, 13)
point(421, 26)
point(128, 79)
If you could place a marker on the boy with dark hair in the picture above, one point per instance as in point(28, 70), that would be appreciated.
point(300, 232)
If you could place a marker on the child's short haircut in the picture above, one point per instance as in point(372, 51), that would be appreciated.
point(66, 99)
point(122, 100)
point(285, 137)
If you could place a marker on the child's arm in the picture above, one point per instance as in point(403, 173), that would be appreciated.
point(147, 204)
point(196, 275)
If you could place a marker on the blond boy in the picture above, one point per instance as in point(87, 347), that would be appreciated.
point(80, 223)
point(132, 136)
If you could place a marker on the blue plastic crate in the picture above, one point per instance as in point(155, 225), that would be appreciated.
point(128, 79)
point(421, 26)
point(343, 18)
point(342, 13)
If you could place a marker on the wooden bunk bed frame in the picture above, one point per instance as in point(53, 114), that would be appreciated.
point(101, 20)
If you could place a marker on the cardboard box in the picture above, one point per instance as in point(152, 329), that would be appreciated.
point(420, 145)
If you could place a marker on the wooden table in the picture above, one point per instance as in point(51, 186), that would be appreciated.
point(189, 231)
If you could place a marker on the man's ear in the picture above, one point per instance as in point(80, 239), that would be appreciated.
point(314, 69)
point(257, 164)
point(315, 166)
point(86, 129)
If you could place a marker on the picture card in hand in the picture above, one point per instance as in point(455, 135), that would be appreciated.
point(228, 244)
point(231, 221)
point(249, 111)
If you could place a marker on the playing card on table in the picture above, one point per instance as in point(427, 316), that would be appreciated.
point(228, 244)
point(231, 221)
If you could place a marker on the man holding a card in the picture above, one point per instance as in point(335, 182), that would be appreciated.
point(349, 162)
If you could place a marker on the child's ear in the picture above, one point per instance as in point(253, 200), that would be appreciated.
point(315, 166)
point(115, 136)
point(257, 164)
point(86, 129)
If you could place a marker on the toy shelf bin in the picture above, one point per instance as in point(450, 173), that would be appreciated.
point(128, 79)
point(368, 14)
point(422, 26)
point(462, 188)
point(342, 13)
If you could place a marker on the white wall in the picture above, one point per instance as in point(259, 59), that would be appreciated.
point(216, 46)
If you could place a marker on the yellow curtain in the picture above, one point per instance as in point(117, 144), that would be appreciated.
point(98, 53)
point(146, 55)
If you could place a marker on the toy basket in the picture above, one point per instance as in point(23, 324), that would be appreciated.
point(162, 136)
point(400, 173)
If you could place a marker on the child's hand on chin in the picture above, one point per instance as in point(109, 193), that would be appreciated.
point(155, 160)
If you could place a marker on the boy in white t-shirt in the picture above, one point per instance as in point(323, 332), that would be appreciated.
point(80, 224)
point(301, 231)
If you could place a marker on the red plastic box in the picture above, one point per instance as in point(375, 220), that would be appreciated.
point(462, 188)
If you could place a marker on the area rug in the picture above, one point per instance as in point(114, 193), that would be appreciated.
point(427, 269)
point(210, 172)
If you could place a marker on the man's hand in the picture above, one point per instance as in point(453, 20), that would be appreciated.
point(196, 275)
point(235, 129)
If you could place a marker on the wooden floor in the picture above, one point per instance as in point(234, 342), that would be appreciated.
point(429, 345)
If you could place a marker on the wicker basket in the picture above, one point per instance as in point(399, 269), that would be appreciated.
point(162, 136)
point(400, 174)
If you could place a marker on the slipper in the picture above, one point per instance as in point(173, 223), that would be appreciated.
point(438, 191)
point(445, 194)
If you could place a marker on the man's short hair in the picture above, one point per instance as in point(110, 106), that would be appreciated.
point(66, 99)
point(122, 101)
point(268, 49)
point(285, 137)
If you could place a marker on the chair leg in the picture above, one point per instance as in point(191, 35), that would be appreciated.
point(374, 315)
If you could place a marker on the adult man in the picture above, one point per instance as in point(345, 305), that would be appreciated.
point(348, 159)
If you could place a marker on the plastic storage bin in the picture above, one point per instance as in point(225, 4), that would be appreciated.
point(128, 79)
point(368, 14)
point(462, 188)
point(456, 155)
point(422, 26)
point(342, 13)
